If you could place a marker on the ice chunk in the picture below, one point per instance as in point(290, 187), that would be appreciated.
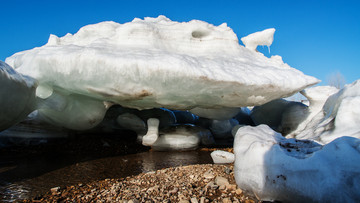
point(222, 157)
point(338, 117)
point(216, 114)
point(73, 111)
point(222, 129)
point(157, 62)
point(185, 117)
point(182, 137)
point(17, 93)
point(288, 170)
point(243, 117)
point(153, 132)
point(31, 131)
point(317, 97)
point(132, 122)
point(281, 115)
point(265, 37)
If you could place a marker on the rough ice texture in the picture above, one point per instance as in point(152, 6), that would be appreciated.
point(17, 93)
point(275, 168)
point(339, 116)
point(317, 97)
point(222, 157)
point(157, 62)
point(264, 38)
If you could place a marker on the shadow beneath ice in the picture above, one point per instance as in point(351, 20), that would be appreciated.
point(32, 170)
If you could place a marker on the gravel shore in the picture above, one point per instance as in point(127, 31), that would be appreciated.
point(193, 183)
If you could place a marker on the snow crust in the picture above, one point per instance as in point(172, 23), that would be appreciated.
point(17, 93)
point(157, 62)
point(264, 38)
point(288, 170)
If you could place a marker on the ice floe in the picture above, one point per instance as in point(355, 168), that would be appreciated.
point(157, 62)
point(17, 96)
point(339, 116)
point(272, 167)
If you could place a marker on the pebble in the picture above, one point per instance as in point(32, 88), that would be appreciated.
point(238, 191)
point(221, 181)
point(209, 175)
point(55, 190)
point(196, 183)
point(193, 200)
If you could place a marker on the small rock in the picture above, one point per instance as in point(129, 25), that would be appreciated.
point(231, 187)
point(212, 185)
point(202, 200)
point(222, 187)
point(194, 200)
point(183, 201)
point(227, 170)
point(221, 181)
point(209, 174)
point(226, 200)
point(238, 191)
point(174, 190)
point(55, 190)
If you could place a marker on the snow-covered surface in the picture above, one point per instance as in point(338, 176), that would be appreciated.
point(275, 168)
point(317, 97)
point(17, 96)
point(222, 157)
point(157, 62)
point(339, 116)
point(263, 38)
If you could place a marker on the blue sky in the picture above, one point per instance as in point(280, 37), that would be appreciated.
point(317, 37)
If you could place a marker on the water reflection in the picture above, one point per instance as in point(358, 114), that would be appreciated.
point(29, 178)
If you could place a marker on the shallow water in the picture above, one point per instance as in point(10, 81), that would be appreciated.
point(27, 177)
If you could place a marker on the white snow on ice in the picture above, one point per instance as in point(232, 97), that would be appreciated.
point(263, 38)
point(157, 62)
point(339, 116)
point(272, 167)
